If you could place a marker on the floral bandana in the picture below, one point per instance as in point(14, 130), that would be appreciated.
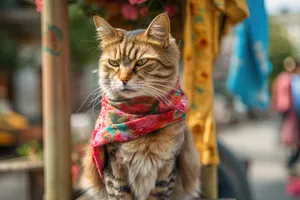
point(128, 120)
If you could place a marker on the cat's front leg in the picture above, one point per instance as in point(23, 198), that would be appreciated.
point(116, 175)
point(90, 181)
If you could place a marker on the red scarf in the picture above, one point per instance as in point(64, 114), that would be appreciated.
point(128, 120)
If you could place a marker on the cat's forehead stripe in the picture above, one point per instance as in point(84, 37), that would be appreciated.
point(125, 48)
point(129, 49)
point(134, 52)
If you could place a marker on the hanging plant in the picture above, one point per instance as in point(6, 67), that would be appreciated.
point(127, 12)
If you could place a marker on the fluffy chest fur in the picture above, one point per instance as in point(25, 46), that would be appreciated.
point(145, 163)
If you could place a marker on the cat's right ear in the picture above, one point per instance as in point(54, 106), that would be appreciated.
point(159, 29)
point(104, 29)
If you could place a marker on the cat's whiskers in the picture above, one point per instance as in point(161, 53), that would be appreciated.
point(163, 94)
point(96, 101)
point(109, 89)
point(157, 93)
point(164, 86)
point(96, 84)
point(157, 89)
point(92, 93)
point(161, 98)
point(152, 93)
point(93, 108)
point(95, 71)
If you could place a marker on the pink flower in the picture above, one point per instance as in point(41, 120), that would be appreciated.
point(39, 5)
point(171, 10)
point(129, 12)
point(132, 2)
point(143, 11)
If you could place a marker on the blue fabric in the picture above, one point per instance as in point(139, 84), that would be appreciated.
point(250, 65)
point(295, 88)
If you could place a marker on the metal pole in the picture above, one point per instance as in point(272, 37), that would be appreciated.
point(56, 100)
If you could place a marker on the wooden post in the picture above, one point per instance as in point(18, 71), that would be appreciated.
point(209, 176)
point(56, 100)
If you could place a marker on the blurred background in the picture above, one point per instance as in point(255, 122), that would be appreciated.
point(253, 135)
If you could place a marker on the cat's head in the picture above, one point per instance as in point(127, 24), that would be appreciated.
point(137, 63)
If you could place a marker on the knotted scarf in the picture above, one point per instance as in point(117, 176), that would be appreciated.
point(123, 121)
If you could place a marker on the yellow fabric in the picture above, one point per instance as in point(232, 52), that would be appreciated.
point(200, 49)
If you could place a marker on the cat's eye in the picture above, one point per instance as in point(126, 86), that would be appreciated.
point(113, 63)
point(141, 62)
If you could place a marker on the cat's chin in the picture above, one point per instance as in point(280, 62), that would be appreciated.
point(126, 94)
point(124, 88)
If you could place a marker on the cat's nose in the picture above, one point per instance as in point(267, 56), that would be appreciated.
point(125, 76)
point(124, 81)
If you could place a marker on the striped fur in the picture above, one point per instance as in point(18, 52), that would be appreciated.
point(161, 165)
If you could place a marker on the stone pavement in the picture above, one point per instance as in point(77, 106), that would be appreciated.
point(259, 141)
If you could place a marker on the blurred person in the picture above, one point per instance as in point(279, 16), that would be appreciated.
point(294, 181)
point(283, 101)
point(295, 97)
point(281, 98)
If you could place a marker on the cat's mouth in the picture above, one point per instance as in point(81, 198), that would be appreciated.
point(125, 88)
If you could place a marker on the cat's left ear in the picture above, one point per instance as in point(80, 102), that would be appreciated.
point(160, 29)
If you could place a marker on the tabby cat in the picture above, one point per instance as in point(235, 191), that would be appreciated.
point(123, 162)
